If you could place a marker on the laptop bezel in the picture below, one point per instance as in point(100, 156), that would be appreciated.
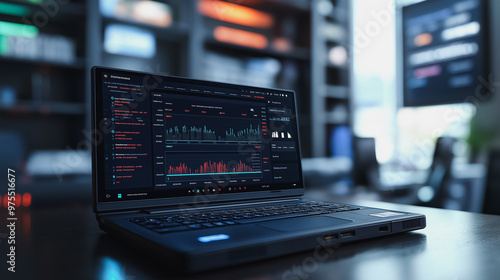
point(204, 200)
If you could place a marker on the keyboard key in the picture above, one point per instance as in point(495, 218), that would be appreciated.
point(208, 225)
point(169, 224)
point(138, 220)
point(196, 226)
point(152, 226)
point(171, 229)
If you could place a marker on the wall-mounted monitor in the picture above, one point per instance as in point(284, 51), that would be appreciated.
point(444, 50)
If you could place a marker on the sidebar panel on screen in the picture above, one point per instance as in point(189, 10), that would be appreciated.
point(127, 149)
point(282, 124)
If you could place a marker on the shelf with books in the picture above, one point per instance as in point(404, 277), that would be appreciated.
point(297, 53)
point(45, 9)
point(337, 92)
point(42, 90)
point(174, 32)
point(22, 108)
point(161, 28)
point(284, 6)
point(336, 113)
point(270, 26)
point(330, 98)
point(78, 63)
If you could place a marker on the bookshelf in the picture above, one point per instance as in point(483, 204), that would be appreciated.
point(42, 90)
point(330, 90)
point(187, 39)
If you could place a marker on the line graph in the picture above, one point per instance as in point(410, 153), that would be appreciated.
point(182, 167)
point(210, 168)
point(189, 133)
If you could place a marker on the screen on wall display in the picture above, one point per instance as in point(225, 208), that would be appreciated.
point(444, 51)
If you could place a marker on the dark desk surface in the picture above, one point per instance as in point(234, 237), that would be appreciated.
point(67, 244)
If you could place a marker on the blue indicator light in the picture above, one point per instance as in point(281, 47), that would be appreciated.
point(210, 238)
point(119, 195)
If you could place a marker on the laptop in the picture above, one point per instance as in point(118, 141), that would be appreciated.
point(205, 175)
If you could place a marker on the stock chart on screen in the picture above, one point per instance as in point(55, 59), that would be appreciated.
point(210, 138)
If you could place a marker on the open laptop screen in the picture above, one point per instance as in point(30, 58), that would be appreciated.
point(170, 137)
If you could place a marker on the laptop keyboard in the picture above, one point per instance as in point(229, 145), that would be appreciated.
point(220, 218)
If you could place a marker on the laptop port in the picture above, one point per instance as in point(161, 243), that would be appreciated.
point(347, 234)
point(331, 236)
point(383, 228)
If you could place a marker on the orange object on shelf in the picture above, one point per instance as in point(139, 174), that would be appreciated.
point(234, 13)
point(282, 44)
point(240, 37)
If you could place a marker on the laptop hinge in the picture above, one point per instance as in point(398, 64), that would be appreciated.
point(238, 204)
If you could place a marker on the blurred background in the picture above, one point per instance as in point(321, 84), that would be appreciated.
point(396, 98)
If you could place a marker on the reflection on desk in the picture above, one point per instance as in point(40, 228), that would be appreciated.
point(67, 243)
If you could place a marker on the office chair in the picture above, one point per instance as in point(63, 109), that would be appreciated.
point(440, 172)
point(365, 165)
point(491, 199)
point(366, 171)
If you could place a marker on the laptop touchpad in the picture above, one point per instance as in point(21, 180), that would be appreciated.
point(296, 224)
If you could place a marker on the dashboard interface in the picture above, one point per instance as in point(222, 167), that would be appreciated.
point(169, 137)
point(445, 51)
